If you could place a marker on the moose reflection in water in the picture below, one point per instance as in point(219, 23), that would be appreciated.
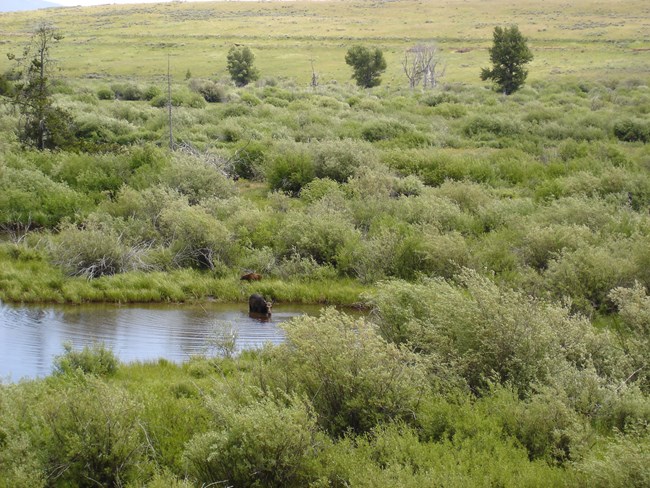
point(259, 307)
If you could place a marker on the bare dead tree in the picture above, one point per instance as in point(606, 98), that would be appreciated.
point(411, 67)
point(314, 75)
point(430, 65)
point(423, 63)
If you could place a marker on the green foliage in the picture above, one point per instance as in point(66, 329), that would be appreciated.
point(632, 130)
point(240, 65)
point(196, 239)
point(96, 360)
point(197, 179)
point(483, 333)
point(43, 125)
point(338, 160)
point(621, 463)
point(264, 443)
point(92, 434)
point(29, 198)
point(106, 93)
point(634, 311)
point(367, 65)
point(508, 54)
point(290, 170)
point(127, 91)
point(95, 251)
point(354, 378)
point(212, 92)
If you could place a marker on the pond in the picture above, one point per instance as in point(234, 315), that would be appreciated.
point(31, 336)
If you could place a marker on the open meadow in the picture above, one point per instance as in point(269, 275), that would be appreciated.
point(499, 246)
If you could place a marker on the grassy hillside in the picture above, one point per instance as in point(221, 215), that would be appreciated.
point(584, 39)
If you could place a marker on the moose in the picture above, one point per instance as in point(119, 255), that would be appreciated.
point(251, 277)
point(258, 306)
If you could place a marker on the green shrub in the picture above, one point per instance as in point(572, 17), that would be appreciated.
point(632, 130)
point(196, 238)
point(93, 435)
point(250, 159)
point(481, 126)
point(621, 463)
point(151, 92)
point(210, 91)
point(319, 188)
point(290, 170)
point(95, 251)
point(435, 99)
point(29, 198)
point(105, 94)
point(318, 234)
point(127, 91)
point(96, 360)
point(338, 160)
point(483, 333)
point(354, 378)
point(381, 130)
point(588, 274)
point(264, 443)
point(198, 177)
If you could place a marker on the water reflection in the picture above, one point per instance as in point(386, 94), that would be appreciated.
point(30, 337)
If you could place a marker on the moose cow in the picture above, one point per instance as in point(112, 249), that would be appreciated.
point(258, 306)
point(251, 277)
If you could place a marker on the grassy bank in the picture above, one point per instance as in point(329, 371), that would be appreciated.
point(32, 280)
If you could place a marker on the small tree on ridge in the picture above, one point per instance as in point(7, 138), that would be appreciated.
point(367, 65)
point(509, 53)
point(240, 65)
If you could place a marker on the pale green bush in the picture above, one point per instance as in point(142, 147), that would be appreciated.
point(354, 378)
point(96, 359)
point(95, 251)
point(264, 443)
point(621, 463)
point(482, 332)
point(338, 160)
point(199, 178)
point(196, 238)
point(93, 434)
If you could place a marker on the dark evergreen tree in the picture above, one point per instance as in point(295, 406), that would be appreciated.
point(509, 53)
point(42, 124)
point(367, 65)
point(240, 65)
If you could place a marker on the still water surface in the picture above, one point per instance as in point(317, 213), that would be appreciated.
point(30, 337)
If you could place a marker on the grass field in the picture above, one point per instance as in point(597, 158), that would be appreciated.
point(585, 39)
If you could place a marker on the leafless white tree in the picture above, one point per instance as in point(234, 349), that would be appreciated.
point(423, 62)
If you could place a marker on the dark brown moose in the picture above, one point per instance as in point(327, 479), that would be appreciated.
point(251, 277)
point(258, 306)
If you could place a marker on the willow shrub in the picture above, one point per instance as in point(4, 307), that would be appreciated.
point(484, 333)
point(338, 160)
point(92, 434)
point(95, 251)
point(96, 359)
point(354, 378)
point(290, 170)
point(263, 443)
point(30, 198)
point(21, 464)
point(197, 178)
